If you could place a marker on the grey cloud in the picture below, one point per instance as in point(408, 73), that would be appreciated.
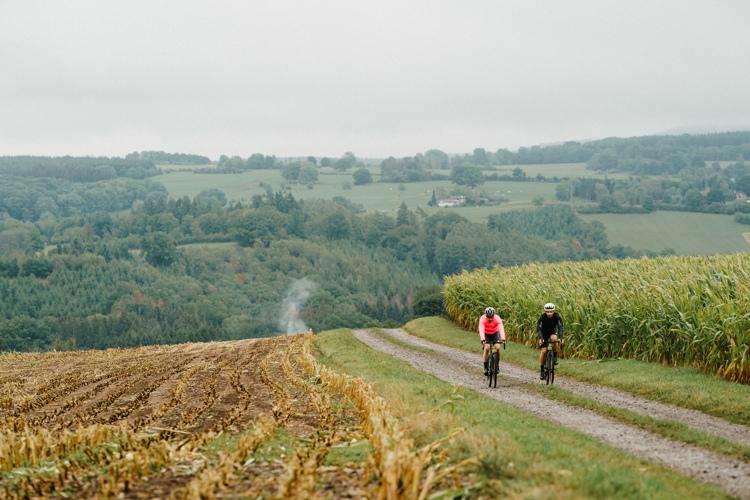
point(377, 78)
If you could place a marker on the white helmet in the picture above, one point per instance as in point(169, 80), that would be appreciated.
point(549, 306)
point(489, 312)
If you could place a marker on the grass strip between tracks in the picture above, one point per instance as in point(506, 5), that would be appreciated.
point(520, 455)
point(685, 387)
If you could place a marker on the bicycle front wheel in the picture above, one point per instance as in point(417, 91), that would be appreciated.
point(490, 368)
point(495, 367)
point(550, 367)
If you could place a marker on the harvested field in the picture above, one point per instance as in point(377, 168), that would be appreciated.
point(186, 421)
point(253, 418)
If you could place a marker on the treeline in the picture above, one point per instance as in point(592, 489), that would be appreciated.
point(128, 279)
point(648, 155)
point(259, 161)
point(408, 169)
point(168, 158)
point(654, 154)
point(698, 189)
point(657, 155)
point(31, 199)
point(77, 169)
point(89, 302)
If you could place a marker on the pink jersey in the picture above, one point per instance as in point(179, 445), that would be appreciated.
point(489, 326)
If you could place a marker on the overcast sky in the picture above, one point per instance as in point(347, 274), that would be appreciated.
point(378, 78)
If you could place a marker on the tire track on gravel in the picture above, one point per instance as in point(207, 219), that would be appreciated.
point(694, 419)
point(731, 475)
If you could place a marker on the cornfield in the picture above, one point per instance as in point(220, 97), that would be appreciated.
point(692, 311)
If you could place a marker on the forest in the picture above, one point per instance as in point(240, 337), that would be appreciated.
point(143, 277)
point(94, 253)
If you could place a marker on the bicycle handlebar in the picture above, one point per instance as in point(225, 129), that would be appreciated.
point(498, 342)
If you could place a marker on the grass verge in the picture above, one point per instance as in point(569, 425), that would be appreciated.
point(685, 387)
point(520, 455)
point(668, 429)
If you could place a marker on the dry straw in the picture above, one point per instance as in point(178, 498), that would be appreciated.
point(403, 471)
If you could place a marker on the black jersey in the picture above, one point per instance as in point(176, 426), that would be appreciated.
point(547, 326)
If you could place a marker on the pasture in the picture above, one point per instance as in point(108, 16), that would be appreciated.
point(385, 197)
point(686, 232)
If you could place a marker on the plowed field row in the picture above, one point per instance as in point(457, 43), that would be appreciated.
point(182, 421)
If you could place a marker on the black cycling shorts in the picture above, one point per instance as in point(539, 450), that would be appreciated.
point(545, 340)
point(492, 337)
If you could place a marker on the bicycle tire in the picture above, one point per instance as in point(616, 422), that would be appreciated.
point(495, 368)
point(490, 368)
point(550, 367)
point(552, 371)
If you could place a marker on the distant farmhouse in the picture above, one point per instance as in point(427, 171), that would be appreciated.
point(741, 196)
point(452, 201)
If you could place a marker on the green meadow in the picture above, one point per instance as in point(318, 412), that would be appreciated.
point(687, 233)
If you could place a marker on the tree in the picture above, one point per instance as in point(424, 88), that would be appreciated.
point(337, 226)
point(405, 217)
point(155, 202)
point(308, 175)
point(9, 268)
point(715, 195)
point(480, 157)
point(467, 175)
point(693, 199)
point(604, 160)
point(518, 173)
point(562, 191)
point(428, 301)
point(211, 198)
point(347, 161)
point(38, 267)
point(291, 171)
point(436, 159)
point(407, 169)
point(433, 200)
point(260, 225)
point(743, 184)
point(649, 204)
point(361, 176)
point(160, 250)
point(538, 201)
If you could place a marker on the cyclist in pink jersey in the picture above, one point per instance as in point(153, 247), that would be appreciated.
point(491, 330)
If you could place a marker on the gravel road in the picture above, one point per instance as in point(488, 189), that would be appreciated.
point(464, 369)
point(691, 418)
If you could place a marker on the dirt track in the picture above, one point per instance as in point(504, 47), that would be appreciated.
point(464, 369)
point(691, 418)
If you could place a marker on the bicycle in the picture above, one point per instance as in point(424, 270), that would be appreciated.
point(494, 363)
point(549, 362)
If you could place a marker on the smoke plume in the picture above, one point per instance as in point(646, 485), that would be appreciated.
point(296, 296)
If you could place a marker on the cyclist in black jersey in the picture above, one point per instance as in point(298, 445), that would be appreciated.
point(549, 327)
